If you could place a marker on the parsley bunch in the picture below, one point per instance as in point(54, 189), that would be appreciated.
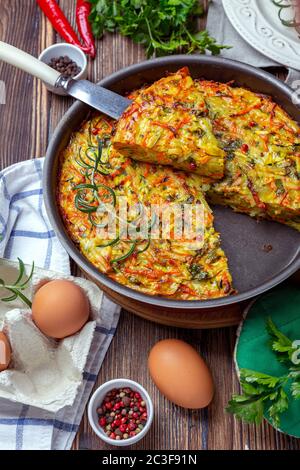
point(265, 393)
point(162, 26)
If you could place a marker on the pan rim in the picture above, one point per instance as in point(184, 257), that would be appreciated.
point(87, 266)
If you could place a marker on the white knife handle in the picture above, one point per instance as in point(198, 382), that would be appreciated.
point(28, 63)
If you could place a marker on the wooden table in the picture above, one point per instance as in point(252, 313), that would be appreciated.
point(26, 124)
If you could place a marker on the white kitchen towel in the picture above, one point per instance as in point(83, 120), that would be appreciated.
point(25, 232)
point(220, 28)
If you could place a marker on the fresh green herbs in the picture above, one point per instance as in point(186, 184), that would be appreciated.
point(265, 393)
point(198, 273)
point(163, 27)
point(231, 147)
point(261, 392)
point(284, 6)
point(280, 190)
point(95, 199)
point(91, 196)
point(18, 286)
point(281, 344)
point(125, 255)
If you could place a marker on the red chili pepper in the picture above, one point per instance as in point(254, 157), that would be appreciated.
point(83, 10)
point(245, 148)
point(60, 23)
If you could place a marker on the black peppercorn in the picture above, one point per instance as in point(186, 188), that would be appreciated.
point(66, 66)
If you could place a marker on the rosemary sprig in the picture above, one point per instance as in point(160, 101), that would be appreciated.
point(126, 255)
point(282, 7)
point(88, 199)
point(19, 285)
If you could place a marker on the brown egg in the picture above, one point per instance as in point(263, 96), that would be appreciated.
point(5, 352)
point(181, 374)
point(60, 308)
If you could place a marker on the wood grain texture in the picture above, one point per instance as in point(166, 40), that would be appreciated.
point(26, 123)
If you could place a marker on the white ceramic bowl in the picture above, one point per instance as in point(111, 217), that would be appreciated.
point(62, 49)
point(97, 399)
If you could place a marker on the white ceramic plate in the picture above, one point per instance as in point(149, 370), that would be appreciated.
point(258, 23)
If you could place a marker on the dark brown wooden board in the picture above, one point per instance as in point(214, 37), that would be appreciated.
point(26, 123)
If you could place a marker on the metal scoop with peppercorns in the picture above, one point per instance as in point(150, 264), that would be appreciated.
point(60, 76)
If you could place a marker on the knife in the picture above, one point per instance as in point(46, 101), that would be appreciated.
point(97, 97)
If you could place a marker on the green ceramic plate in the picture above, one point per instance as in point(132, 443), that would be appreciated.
point(253, 345)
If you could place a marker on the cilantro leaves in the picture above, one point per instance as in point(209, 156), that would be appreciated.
point(265, 393)
point(280, 343)
point(162, 26)
point(295, 386)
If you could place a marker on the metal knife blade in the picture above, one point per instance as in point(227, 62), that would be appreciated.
point(100, 98)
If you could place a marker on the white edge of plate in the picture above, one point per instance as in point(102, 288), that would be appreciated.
point(254, 42)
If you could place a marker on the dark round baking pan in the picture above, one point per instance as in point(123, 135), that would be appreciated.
point(261, 254)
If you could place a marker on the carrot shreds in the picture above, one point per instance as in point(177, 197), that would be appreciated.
point(256, 198)
point(284, 198)
point(173, 130)
point(246, 111)
point(147, 169)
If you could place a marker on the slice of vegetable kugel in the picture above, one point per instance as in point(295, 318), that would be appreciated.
point(168, 124)
point(157, 266)
point(262, 143)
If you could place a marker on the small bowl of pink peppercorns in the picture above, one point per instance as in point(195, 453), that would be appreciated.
point(120, 412)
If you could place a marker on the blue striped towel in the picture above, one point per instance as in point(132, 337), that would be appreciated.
point(25, 232)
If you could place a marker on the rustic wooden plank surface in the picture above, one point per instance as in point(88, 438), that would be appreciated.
point(26, 123)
